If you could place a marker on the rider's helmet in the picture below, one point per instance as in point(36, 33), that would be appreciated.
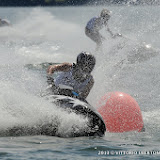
point(105, 14)
point(86, 62)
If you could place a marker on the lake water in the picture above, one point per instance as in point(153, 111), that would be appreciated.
point(128, 64)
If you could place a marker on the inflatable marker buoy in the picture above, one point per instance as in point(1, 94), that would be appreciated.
point(120, 112)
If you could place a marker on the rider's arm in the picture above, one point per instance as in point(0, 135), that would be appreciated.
point(87, 90)
point(112, 34)
point(107, 29)
point(60, 67)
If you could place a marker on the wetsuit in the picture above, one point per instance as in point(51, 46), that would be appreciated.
point(92, 29)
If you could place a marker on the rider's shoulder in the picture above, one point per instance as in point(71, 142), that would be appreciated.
point(66, 64)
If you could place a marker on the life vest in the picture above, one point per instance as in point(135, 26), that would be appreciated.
point(67, 78)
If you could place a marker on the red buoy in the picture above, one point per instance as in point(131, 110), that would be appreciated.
point(120, 112)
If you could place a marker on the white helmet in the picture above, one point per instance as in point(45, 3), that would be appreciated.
point(105, 13)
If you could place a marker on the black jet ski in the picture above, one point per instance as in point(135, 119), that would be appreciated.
point(70, 102)
point(95, 125)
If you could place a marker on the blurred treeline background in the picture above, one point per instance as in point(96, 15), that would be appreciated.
point(72, 2)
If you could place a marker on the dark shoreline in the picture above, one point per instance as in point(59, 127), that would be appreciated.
point(64, 3)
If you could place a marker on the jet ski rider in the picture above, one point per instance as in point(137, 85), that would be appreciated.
point(77, 76)
point(95, 24)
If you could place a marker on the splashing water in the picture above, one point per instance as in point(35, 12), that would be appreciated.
point(127, 64)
